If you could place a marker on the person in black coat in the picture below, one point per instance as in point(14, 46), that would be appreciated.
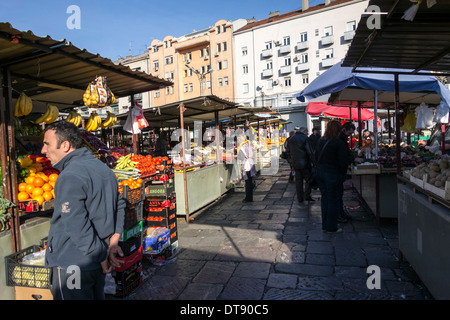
point(314, 138)
point(300, 159)
point(332, 160)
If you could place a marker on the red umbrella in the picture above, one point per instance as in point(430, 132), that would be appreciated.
point(327, 110)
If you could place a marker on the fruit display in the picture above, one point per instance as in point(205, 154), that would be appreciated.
point(40, 182)
point(50, 115)
point(110, 120)
point(436, 173)
point(74, 117)
point(94, 122)
point(118, 152)
point(23, 106)
point(92, 141)
point(98, 94)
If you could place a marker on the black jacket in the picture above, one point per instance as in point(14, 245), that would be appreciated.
point(334, 157)
point(88, 209)
point(299, 151)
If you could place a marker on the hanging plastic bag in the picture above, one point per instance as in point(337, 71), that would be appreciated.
point(409, 124)
point(442, 113)
point(141, 121)
point(132, 124)
point(424, 117)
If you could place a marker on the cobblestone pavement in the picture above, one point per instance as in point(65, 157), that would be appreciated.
point(274, 249)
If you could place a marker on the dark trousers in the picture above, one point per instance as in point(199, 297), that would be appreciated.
point(248, 187)
point(330, 185)
point(64, 285)
point(300, 176)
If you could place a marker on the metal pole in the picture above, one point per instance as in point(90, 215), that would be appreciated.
point(359, 124)
point(183, 161)
point(375, 123)
point(397, 124)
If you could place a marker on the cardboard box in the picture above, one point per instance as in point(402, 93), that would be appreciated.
point(26, 293)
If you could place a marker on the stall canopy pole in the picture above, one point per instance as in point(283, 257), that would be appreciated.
point(443, 139)
point(359, 124)
point(389, 126)
point(7, 152)
point(183, 161)
point(375, 123)
point(397, 124)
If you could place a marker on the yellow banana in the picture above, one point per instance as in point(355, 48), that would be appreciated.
point(78, 120)
point(54, 114)
point(44, 116)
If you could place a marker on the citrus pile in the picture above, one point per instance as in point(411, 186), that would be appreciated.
point(130, 182)
point(38, 186)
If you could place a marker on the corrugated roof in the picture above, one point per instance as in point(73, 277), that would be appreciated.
point(421, 44)
point(58, 72)
point(292, 14)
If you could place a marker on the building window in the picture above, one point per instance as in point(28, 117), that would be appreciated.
point(208, 84)
point(304, 58)
point(220, 82)
point(224, 28)
point(224, 45)
point(269, 65)
point(156, 65)
point(351, 25)
point(289, 101)
point(219, 65)
point(219, 47)
point(155, 48)
point(245, 88)
point(316, 32)
point(185, 88)
point(225, 81)
point(287, 61)
point(269, 84)
point(203, 69)
point(244, 51)
point(191, 87)
point(269, 45)
point(225, 64)
point(287, 81)
point(169, 60)
point(329, 53)
point(218, 29)
point(305, 78)
point(303, 36)
point(317, 53)
point(328, 31)
point(245, 69)
point(201, 53)
point(157, 93)
point(286, 41)
point(167, 90)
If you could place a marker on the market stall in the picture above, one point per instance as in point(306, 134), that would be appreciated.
point(42, 81)
point(414, 37)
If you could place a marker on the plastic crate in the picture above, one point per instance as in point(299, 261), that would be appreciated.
point(21, 274)
point(127, 277)
point(132, 196)
point(131, 245)
point(152, 202)
point(131, 232)
point(154, 244)
point(130, 260)
point(122, 293)
point(133, 214)
point(161, 218)
point(159, 188)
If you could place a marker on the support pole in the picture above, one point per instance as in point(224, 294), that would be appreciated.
point(443, 139)
point(397, 124)
point(359, 124)
point(183, 161)
point(375, 123)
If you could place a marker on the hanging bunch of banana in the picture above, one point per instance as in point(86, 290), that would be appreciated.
point(74, 117)
point(23, 105)
point(98, 94)
point(94, 122)
point(50, 115)
point(110, 120)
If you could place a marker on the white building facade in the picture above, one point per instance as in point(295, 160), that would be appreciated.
point(278, 57)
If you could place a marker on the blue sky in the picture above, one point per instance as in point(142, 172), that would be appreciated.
point(119, 28)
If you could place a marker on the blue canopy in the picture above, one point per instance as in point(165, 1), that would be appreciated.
point(338, 78)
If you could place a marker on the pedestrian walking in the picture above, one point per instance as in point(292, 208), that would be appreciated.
point(245, 157)
point(331, 169)
point(288, 157)
point(314, 138)
point(301, 160)
point(87, 219)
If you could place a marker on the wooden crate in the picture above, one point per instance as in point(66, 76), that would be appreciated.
point(26, 293)
point(444, 193)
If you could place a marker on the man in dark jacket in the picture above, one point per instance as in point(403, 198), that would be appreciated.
point(314, 138)
point(87, 219)
point(300, 159)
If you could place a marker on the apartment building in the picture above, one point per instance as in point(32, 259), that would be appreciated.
point(138, 63)
point(198, 63)
point(279, 56)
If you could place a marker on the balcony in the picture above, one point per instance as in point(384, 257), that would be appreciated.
point(267, 73)
point(302, 66)
point(302, 45)
point(285, 49)
point(348, 35)
point(266, 53)
point(327, 62)
point(327, 40)
point(285, 69)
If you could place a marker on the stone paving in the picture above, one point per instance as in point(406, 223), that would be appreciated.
point(274, 249)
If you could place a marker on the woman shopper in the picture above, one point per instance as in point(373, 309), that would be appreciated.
point(245, 157)
point(332, 162)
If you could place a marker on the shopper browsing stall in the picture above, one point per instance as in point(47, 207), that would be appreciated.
point(87, 219)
